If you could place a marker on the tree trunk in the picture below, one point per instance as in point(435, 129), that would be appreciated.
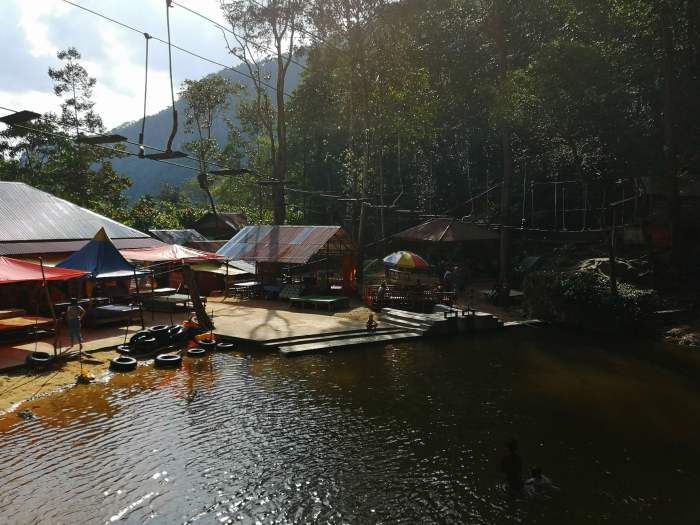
point(278, 194)
point(504, 252)
point(669, 135)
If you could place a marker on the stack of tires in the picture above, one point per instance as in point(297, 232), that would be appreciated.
point(143, 342)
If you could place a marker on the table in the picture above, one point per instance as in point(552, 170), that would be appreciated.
point(246, 289)
point(113, 312)
point(6, 314)
point(171, 300)
point(159, 291)
point(331, 303)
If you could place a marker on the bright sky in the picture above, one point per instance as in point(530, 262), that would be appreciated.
point(32, 31)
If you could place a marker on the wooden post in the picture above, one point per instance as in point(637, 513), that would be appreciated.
point(613, 270)
point(202, 316)
point(138, 298)
point(51, 308)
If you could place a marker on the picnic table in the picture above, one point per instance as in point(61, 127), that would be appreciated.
point(331, 303)
point(246, 289)
point(170, 301)
point(21, 327)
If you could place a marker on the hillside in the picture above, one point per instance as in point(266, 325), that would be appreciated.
point(148, 176)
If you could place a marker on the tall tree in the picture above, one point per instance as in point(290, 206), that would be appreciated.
point(47, 156)
point(266, 33)
point(207, 100)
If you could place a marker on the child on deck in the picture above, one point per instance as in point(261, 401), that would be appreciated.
point(371, 323)
point(75, 314)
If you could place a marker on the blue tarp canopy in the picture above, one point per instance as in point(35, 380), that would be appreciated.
point(101, 259)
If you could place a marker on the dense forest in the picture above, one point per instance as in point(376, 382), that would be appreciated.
point(535, 113)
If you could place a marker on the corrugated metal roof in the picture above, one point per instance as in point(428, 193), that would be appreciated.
point(282, 244)
point(47, 247)
point(447, 230)
point(29, 214)
point(179, 236)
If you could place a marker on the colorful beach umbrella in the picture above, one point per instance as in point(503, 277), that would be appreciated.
point(403, 260)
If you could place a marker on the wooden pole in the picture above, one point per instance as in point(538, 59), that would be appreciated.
point(613, 270)
point(138, 298)
point(51, 308)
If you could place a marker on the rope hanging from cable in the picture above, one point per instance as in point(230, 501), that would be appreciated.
point(142, 149)
point(173, 132)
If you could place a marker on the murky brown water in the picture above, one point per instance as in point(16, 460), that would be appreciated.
point(408, 435)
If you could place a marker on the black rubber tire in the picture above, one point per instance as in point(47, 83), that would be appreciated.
point(39, 359)
point(178, 333)
point(196, 352)
point(168, 360)
point(143, 334)
point(146, 344)
point(124, 349)
point(123, 364)
point(160, 332)
point(207, 344)
point(225, 347)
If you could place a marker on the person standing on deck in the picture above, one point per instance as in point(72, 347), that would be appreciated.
point(380, 298)
point(74, 316)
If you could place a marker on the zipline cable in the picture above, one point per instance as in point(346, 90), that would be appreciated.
point(179, 48)
point(224, 28)
point(131, 142)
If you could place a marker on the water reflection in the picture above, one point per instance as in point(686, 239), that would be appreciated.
point(410, 433)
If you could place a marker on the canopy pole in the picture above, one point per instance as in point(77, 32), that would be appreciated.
point(51, 309)
point(138, 298)
point(226, 280)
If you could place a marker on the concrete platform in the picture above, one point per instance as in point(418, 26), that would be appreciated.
point(259, 324)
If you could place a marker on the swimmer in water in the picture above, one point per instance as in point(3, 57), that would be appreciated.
point(512, 467)
point(538, 484)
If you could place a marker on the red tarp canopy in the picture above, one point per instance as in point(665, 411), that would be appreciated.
point(169, 252)
point(16, 271)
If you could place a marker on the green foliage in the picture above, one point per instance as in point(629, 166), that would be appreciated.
point(583, 299)
point(150, 213)
point(47, 157)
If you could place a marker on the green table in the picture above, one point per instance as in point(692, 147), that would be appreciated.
point(330, 303)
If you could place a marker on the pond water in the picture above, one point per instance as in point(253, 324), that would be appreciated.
point(411, 434)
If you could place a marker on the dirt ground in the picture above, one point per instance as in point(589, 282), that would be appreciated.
point(23, 384)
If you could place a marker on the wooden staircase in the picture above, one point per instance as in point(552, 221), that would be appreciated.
point(446, 322)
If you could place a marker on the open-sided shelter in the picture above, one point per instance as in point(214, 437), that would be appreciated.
point(447, 231)
point(100, 259)
point(324, 250)
point(14, 271)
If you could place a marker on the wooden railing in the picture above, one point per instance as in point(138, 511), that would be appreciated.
point(415, 299)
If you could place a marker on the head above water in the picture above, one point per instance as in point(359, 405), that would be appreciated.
point(536, 473)
point(371, 317)
point(73, 301)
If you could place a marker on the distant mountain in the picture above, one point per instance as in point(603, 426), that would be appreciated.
point(148, 176)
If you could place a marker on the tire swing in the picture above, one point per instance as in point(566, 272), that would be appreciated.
point(39, 359)
point(207, 344)
point(123, 364)
point(168, 361)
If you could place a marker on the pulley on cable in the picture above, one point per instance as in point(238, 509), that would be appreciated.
point(169, 153)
